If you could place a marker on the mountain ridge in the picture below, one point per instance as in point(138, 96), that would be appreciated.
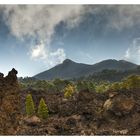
point(69, 69)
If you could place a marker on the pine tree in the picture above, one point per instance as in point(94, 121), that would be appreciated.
point(30, 109)
point(43, 109)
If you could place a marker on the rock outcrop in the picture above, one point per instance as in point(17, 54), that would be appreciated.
point(9, 103)
point(119, 105)
point(32, 121)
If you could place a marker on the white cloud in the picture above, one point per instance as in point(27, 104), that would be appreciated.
point(39, 21)
point(133, 53)
point(38, 51)
point(45, 54)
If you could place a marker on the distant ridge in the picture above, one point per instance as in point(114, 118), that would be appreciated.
point(70, 69)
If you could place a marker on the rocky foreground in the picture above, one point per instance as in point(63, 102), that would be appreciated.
point(111, 113)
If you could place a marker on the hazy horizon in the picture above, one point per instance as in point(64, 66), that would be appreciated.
point(36, 38)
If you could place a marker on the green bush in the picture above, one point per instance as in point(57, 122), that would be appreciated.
point(30, 109)
point(43, 109)
point(115, 86)
point(132, 82)
point(101, 88)
point(86, 85)
point(91, 86)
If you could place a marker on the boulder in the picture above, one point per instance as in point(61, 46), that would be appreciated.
point(119, 105)
point(112, 94)
point(32, 121)
point(108, 104)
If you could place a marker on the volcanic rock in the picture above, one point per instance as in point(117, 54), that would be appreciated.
point(9, 103)
point(119, 105)
point(32, 121)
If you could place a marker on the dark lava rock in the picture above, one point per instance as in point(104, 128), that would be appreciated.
point(9, 104)
point(119, 105)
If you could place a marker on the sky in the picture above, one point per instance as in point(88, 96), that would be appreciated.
point(35, 38)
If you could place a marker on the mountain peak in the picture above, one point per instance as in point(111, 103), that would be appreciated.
point(67, 61)
point(109, 60)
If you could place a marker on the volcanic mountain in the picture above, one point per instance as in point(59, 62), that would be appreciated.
point(70, 69)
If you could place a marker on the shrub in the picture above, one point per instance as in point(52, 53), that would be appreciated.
point(43, 109)
point(69, 91)
point(86, 85)
point(30, 109)
point(81, 86)
point(102, 88)
point(91, 86)
point(115, 86)
point(60, 84)
point(132, 82)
